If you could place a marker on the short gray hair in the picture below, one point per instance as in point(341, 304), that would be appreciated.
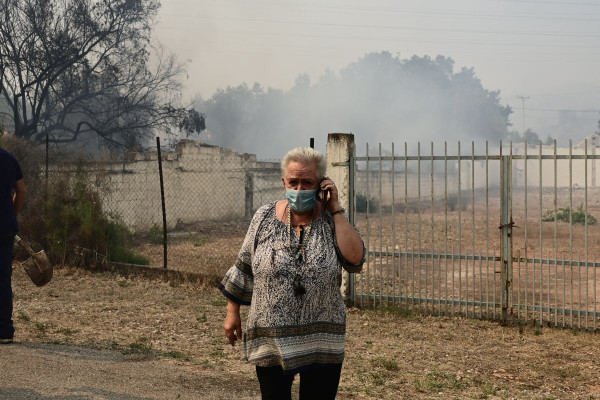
point(304, 155)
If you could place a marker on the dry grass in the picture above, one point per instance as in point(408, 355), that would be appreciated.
point(391, 353)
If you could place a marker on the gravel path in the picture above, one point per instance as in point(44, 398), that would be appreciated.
point(52, 371)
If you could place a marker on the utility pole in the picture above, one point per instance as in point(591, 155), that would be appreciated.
point(523, 98)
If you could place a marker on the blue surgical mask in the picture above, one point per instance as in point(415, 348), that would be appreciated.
point(301, 200)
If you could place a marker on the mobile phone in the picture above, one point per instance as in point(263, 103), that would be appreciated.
point(322, 195)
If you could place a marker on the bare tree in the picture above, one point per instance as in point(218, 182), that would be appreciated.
point(74, 67)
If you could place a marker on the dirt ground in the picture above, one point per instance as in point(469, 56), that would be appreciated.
point(211, 248)
point(142, 325)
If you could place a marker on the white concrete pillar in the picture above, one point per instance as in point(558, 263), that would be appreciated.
point(340, 146)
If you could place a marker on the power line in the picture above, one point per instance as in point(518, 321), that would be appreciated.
point(560, 3)
point(555, 94)
point(393, 27)
point(407, 40)
point(387, 10)
point(561, 110)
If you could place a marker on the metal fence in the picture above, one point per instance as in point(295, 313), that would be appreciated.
point(503, 233)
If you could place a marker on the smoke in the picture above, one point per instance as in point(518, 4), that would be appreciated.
point(379, 98)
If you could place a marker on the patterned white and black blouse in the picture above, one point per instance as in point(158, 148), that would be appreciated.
point(297, 315)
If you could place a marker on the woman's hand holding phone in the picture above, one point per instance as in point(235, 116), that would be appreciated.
point(327, 194)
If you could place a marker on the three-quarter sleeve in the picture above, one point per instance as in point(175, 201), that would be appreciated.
point(238, 283)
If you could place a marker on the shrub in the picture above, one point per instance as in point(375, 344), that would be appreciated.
point(452, 202)
point(564, 215)
point(75, 219)
point(361, 203)
point(155, 234)
point(67, 220)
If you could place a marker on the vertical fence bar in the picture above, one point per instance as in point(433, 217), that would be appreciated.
point(387, 275)
point(352, 215)
point(572, 291)
point(362, 279)
point(519, 284)
point(439, 281)
point(495, 287)
point(473, 264)
point(162, 199)
point(541, 235)
point(368, 204)
point(446, 218)
point(459, 231)
point(432, 235)
point(511, 194)
point(413, 275)
point(419, 219)
point(380, 230)
point(555, 236)
point(571, 222)
point(406, 213)
point(533, 288)
point(579, 290)
point(595, 318)
point(525, 233)
point(526, 293)
point(480, 286)
point(585, 211)
point(541, 288)
point(564, 310)
point(549, 315)
point(453, 291)
point(506, 224)
point(394, 229)
point(487, 231)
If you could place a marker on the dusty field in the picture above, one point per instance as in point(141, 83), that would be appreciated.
point(390, 354)
point(212, 248)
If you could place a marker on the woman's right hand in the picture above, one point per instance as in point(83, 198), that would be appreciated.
point(233, 322)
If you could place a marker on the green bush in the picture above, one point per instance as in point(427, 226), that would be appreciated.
point(74, 220)
point(67, 221)
point(155, 234)
point(564, 215)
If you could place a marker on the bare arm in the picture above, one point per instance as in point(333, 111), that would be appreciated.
point(20, 193)
point(233, 322)
point(348, 240)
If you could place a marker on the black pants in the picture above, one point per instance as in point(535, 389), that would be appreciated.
point(316, 383)
point(7, 329)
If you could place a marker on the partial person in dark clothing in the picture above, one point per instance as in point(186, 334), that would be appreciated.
point(12, 196)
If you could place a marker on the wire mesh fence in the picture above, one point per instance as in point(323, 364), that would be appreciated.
point(210, 195)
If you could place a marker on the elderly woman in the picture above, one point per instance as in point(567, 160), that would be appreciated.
point(289, 272)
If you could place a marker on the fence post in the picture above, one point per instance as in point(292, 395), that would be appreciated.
point(340, 151)
point(506, 226)
point(249, 203)
point(162, 198)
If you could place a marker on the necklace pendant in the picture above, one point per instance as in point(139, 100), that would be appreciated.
point(299, 290)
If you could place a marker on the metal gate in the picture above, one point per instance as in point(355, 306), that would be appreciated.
point(502, 233)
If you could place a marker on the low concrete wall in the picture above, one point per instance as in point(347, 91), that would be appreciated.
point(201, 183)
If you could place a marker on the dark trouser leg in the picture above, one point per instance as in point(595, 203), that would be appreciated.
point(274, 385)
point(7, 329)
point(320, 383)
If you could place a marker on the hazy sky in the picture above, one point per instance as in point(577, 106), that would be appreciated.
point(548, 50)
